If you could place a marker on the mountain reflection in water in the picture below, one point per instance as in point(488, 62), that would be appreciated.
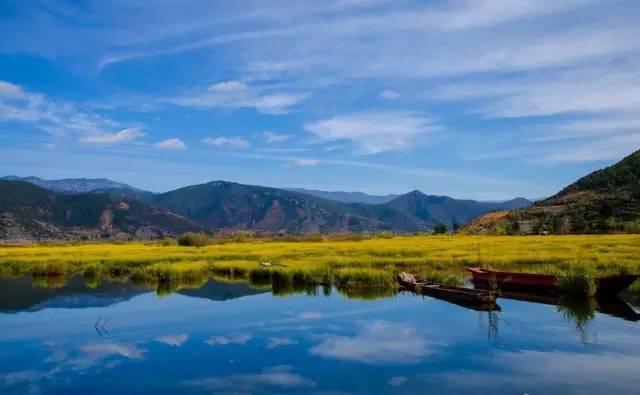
point(226, 336)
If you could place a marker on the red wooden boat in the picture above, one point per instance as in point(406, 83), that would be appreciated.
point(503, 278)
point(606, 285)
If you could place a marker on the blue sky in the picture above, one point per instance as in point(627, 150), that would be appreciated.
point(485, 99)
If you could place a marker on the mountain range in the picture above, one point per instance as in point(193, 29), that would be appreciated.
point(348, 197)
point(65, 209)
point(19, 294)
point(605, 201)
point(73, 185)
point(30, 212)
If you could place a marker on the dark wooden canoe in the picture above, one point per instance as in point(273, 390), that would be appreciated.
point(476, 299)
point(607, 286)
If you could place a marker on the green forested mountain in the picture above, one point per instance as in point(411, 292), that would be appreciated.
point(604, 201)
point(622, 176)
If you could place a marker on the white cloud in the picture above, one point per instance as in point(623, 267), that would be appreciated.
point(389, 94)
point(232, 142)
point(310, 315)
point(277, 376)
point(236, 94)
point(313, 32)
point(612, 149)
point(59, 118)
point(123, 136)
point(287, 150)
point(172, 144)
point(589, 89)
point(173, 340)
point(546, 371)
point(589, 112)
point(225, 340)
point(271, 137)
point(229, 86)
point(96, 351)
point(397, 381)
point(8, 89)
point(275, 342)
point(375, 132)
point(306, 162)
point(377, 342)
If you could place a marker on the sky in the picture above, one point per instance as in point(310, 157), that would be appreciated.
point(483, 99)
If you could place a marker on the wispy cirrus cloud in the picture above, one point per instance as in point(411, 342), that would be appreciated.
point(389, 94)
point(237, 94)
point(225, 340)
point(374, 132)
point(276, 377)
point(306, 162)
point(60, 119)
point(231, 142)
point(271, 137)
point(275, 342)
point(314, 24)
point(171, 144)
point(123, 136)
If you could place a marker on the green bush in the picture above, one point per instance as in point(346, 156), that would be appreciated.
point(190, 239)
point(440, 229)
point(167, 242)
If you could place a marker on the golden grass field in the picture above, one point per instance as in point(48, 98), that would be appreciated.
point(367, 262)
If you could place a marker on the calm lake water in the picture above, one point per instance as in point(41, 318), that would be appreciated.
point(232, 339)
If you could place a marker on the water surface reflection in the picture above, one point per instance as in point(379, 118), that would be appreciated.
point(230, 337)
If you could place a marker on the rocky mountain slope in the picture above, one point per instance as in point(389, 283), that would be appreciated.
point(29, 212)
point(34, 213)
point(227, 205)
point(222, 205)
point(607, 200)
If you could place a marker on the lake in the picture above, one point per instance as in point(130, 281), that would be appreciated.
point(230, 338)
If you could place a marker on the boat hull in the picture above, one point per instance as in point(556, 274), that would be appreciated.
point(606, 286)
point(476, 299)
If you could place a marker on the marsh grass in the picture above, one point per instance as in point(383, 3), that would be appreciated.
point(577, 283)
point(347, 263)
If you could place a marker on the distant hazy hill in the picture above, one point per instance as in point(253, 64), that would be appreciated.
point(606, 200)
point(347, 197)
point(442, 209)
point(29, 212)
point(75, 185)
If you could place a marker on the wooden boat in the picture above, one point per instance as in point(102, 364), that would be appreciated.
point(606, 286)
point(477, 299)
